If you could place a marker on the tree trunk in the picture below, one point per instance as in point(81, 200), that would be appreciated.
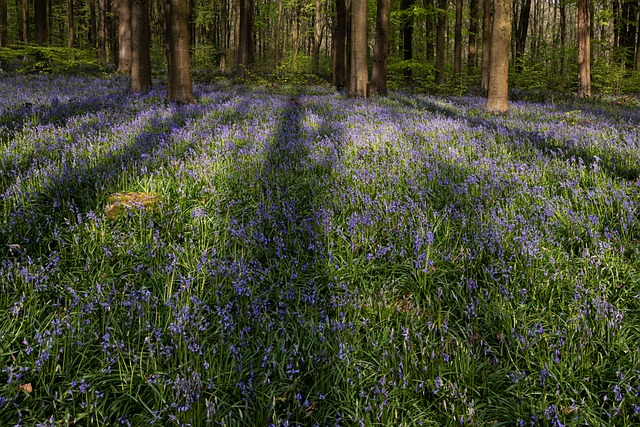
point(40, 16)
point(563, 34)
point(486, 44)
point(124, 36)
point(440, 41)
point(380, 69)
point(92, 24)
point(102, 30)
point(25, 21)
point(407, 34)
point(277, 35)
point(340, 46)
point(244, 39)
point(317, 37)
point(498, 93)
point(224, 19)
point(4, 30)
point(521, 32)
point(429, 29)
point(359, 73)
point(140, 40)
point(179, 85)
point(473, 37)
point(638, 47)
point(457, 42)
point(584, 49)
point(71, 26)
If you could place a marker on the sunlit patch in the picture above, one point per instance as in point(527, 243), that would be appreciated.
point(119, 203)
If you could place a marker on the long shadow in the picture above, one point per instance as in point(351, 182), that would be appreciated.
point(616, 164)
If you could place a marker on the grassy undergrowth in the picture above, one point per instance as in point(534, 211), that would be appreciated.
point(315, 260)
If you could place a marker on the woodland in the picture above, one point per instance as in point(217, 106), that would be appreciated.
point(319, 213)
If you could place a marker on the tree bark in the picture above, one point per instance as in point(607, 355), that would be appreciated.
point(498, 93)
point(359, 74)
point(584, 49)
point(317, 37)
point(521, 32)
point(473, 37)
point(224, 20)
point(430, 29)
point(124, 36)
point(40, 16)
point(179, 85)
point(486, 44)
point(457, 42)
point(244, 39)
point(340, 46)
point(102, 30)
point(563, 34)
point(92, 24)
point(140, 40)
point(71, 26)
point(4, 29)
point(380, 63)
point(407, 34)
point(440, 41)
point(25, 21)
point(277, 35)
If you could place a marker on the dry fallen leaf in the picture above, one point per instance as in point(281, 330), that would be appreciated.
point(26, 387)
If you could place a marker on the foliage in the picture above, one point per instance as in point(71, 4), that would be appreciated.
point(26, 59)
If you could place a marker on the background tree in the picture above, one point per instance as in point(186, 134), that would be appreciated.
point(407, 34)
point(340, 46)
point(40, 16)
point(179, 85)
point(521, 29)
point(359, 74)
point(498, 93)
point(379, 72)
point(140, 41)
point(244, 38)
point(584, 49)
point(124, 36)
point(440, 41)
point(25, 21)
point(486, 44)
point(4, 29)
point(457, 41)
point(473, 36)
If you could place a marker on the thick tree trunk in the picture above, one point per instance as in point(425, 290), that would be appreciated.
point(440, 41)
point(92, 24)
point(359, 74)
point(244, 39)
point(498, 93)
point(179, 85)
point(4, 29)
point(457, 42)
point(486, 44)
point(380, 69)
point(340, 46)
point(71, 26)
point(140, 40)
point(521, 32)
point(224, 19)
point(407, 33)
point(584, 49)
point(25, 21)
point(124, 36)
point(473, 37)
point(40, 16)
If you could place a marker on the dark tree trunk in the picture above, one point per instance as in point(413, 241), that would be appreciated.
point(102, 30)
point(498, 93)
point(40, 15)
point(457, 42)
point(140, 40)
point(244, 39)
point(359, 74)
point(630, 13)
point(521, 32)
point(407, 33)
point(93, 39)
point(317, 37)
point(430, 30)
point(563, 34)
point(71, 26)
point(4, 30)
point(486, 44)
point(584, 49)
point(25, 21)
point(473, 36)
point(440, 41)
point(224, 19)
point(380, 70)
point(340, 46)
point(124, 36)
point(179, 85)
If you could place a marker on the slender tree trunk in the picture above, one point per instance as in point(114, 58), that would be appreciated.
point(486, 44)
point(244, 40)
point(124, 36)
point(224, 19)
point(277, 35)
point(407, 33)
point(40, 16)
point(498, 93)
point(457, 42)
point(473, 37)
point(440, 41)
point(102, 30)
point(521, 34)
point(140, 40)
point(430, 30)
point(25, 21)
point(563, 35)
point(179, 85)
point(638, 47)
point(4, 29)
point(359, 73)
point(340, 46)
point(317, 37)
point(92, 24)
point(584, 49)
point(380, 69)
point(71, 26)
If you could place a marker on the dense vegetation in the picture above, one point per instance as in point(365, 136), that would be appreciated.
point(289, 256)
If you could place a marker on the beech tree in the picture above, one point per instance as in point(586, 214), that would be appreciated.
point(179, 85)
point(473, 37)
point(4, 29)
point(40, 17)
point(498, 93)
point(457, 41)
point(359, 75)
point(486, 44)
point(379, 72)
point(340, 46)
point(584, 49)
point(140, 41)
point(124, 36)
point(440, 41)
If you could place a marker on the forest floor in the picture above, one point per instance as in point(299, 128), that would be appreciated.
point(295, 257)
